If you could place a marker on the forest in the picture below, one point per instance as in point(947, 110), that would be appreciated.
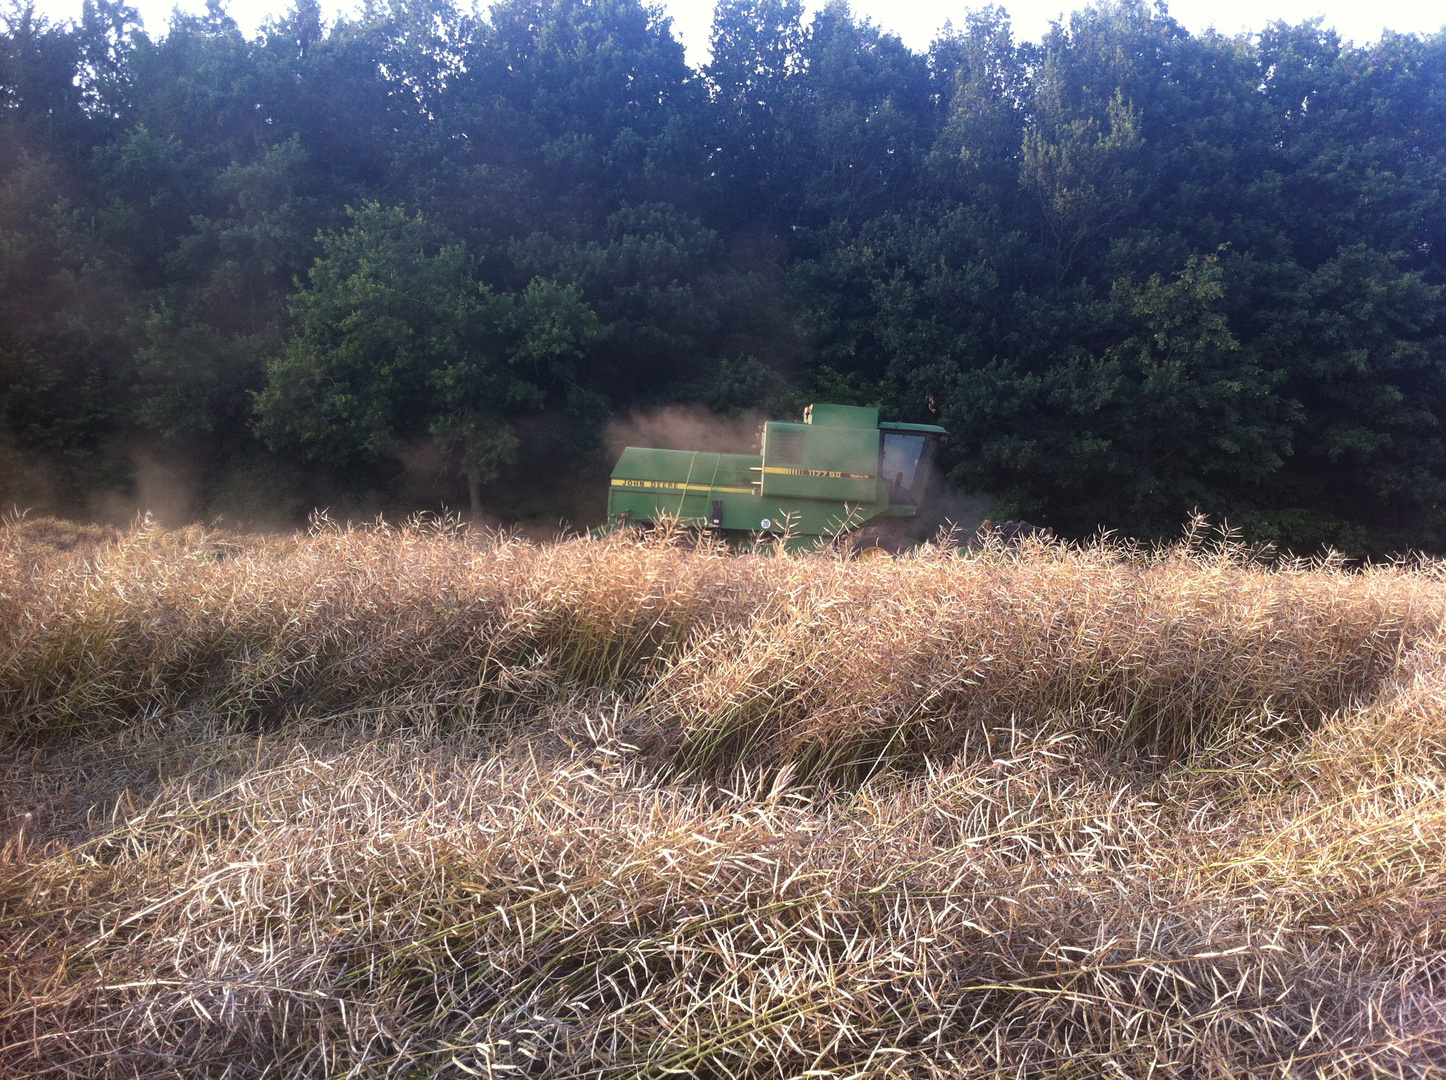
point(419, 257)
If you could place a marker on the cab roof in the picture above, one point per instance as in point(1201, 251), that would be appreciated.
point(920, 429)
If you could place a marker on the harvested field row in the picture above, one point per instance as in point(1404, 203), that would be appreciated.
point(821, 662)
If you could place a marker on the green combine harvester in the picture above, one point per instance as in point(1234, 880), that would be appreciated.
point(840, 472)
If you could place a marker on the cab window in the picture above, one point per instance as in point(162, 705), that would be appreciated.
point(900, 457)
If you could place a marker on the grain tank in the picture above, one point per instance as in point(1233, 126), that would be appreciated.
point(841, 470)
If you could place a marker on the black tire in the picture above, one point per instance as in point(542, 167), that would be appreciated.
point(877, 539)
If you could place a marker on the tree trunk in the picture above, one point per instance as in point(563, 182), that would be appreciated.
point(474, 494)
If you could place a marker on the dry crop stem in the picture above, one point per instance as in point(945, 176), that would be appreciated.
point(404, 802)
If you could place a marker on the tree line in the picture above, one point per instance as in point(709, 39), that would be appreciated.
point(421, 256)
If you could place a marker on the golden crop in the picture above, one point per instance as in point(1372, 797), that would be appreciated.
point(413, 802)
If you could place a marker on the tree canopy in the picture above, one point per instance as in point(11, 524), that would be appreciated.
point(418, 257)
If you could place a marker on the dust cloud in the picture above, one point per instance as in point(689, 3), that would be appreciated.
point(685, 427)
point(955, 511)
point(166, 486)
point(169, 487)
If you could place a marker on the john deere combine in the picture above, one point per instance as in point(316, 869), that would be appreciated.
point(838, 471)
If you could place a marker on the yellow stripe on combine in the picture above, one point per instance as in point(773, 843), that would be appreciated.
point(670, 485)
point(823, 473)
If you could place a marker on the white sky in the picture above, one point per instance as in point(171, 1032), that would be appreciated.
point(917, 21)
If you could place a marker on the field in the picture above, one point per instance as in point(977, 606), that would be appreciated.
point(413, 802)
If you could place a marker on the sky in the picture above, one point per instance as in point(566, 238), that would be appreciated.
point(918, 21)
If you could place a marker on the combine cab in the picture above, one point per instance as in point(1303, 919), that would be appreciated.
point(838, 471)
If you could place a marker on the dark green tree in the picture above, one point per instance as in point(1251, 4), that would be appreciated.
point(755, 79)
point(1140, 271)
point(396, 340)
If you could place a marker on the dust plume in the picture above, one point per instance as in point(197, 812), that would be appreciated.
point(685, 427)
point(944, 507)
point(166, 484)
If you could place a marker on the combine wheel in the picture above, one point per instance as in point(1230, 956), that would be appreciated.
point(877, 542)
